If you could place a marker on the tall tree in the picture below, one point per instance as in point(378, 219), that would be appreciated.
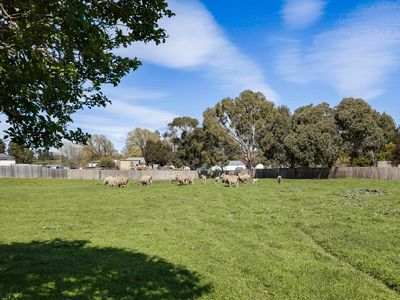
point(70, 153)
point(21, 154)
point(388, 126)
point(242, 119)
point(273, 134)
point(201, 148)
point(315, 139)
point(2, 146)
point(136, 141)
point(179, 128)
point(360, 129)
point(396, 154)
point(100, 146)
point(56, 55)
point(157, 152)
point(44, 155)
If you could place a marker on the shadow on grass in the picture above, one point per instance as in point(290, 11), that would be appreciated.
point(60, 269)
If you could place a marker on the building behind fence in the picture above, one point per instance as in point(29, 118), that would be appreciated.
point(29, 171)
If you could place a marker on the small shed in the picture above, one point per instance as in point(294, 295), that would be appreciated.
point(6, 160)
point(130, 163)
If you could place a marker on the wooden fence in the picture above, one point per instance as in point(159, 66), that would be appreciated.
point(28, 171)
point(291, 173)
point(383, 173)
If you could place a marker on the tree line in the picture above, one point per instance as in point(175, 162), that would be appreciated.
point(255, 130)
point(252, 129)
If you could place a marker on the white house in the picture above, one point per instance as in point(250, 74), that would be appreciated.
point(234, 164)
point(6, 160)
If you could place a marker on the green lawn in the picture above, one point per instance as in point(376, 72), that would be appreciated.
point(305, 239)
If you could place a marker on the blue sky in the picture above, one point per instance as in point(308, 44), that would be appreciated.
point(296, 52)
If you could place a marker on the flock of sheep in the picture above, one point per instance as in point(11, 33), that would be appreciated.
point(123, 181)
point(229, 180)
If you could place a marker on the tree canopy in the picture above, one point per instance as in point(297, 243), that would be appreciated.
point(100, 146)
point(314, 140)
point(2, 146)
point(136, 141)
point(243, 119)
point(179, 128)
point(362, 128)
point(56, 55)
point(158, 152)
point(21, 154)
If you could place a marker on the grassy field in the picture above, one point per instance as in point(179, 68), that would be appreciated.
point(305, 239)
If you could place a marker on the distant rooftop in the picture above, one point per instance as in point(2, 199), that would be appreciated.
point(4, 156)
point(134, 158)
point(235, 163)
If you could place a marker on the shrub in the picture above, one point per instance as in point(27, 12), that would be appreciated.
point(107, 162)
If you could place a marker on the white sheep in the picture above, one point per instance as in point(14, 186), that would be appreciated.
point(173, 178)
point(245, 178)
point(232, 180)
point(146, 180)
point(119, 182)
point(203, 179)
point(107, 180)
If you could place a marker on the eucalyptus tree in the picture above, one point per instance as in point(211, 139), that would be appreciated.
point(314, 140)
point(242, 120)
point(364, 131)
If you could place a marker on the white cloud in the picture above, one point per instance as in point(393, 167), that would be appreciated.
point(120, 117)
point(356, 57)
point(300, 14)
point(196, 42)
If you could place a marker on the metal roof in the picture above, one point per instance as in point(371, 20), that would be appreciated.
point(235, 163)
point(4, 156)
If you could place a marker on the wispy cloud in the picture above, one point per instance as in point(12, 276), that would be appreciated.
point(133, 93)
point(196, 42)
point(356, 57)
point(300, 14)
point(124, 114)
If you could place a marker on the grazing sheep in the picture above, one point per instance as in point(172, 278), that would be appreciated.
point(181, 180)
point(189, 180)
point(107, 180)
point(119, 182)
point(146, 180)
point(112, 182)
point(245, 178)
point(173, 178)
point(279, 179)
point(203, 179)
point(184, 180)
point(222, 178)
point(218, 179)
point(255, 180)
point(231, 180)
